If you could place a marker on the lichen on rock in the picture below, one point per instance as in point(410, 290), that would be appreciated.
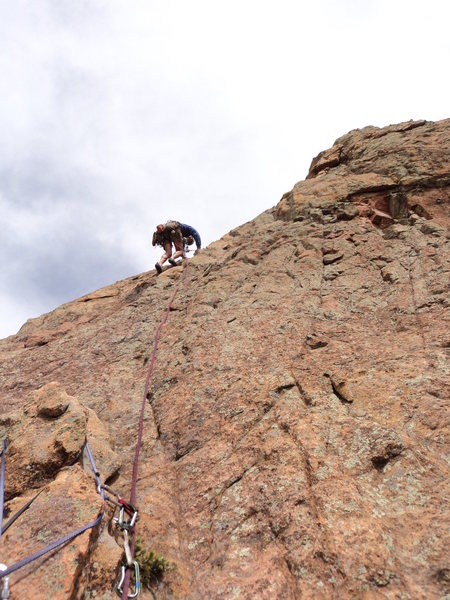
point(294, 427)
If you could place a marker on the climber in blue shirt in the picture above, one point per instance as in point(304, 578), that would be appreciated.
point(180, 235)
point(187, 231)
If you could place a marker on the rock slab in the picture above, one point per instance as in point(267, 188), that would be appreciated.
point(295, 431)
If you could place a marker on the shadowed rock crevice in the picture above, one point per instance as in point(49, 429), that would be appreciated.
point(381, 460)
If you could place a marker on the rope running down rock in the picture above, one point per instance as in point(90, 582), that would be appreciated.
point(141, 422)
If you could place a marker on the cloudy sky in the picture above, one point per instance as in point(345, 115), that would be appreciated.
point(116, 115)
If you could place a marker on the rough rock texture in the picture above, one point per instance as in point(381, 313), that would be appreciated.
point(295, 431)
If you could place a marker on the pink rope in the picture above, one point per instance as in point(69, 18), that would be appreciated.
point(134, 477)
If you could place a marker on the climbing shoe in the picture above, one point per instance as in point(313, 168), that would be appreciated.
point(173, 262)
point(158, 268)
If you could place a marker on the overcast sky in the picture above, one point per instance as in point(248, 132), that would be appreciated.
point(116, 115)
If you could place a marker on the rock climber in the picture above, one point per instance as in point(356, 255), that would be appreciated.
point(190, 235)
point(178, 234)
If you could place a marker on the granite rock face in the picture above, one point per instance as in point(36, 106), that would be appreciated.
point(387, 174)
point(295, 430)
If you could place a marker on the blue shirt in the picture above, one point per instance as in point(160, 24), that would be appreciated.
point(187, 230)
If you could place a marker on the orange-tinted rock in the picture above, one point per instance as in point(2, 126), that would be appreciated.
point(52, 401)
point(66, 504)
point(48, 434)
point(295, 426)
point(392, 171)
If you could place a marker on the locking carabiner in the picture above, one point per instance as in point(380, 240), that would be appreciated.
point(137, 580)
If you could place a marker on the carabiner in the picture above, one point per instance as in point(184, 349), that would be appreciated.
point(5, 589)
point(131, 511)
point(129, 508)
point(137, 581)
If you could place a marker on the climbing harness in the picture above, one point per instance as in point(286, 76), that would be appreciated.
point(124, 584)
point(5, 572)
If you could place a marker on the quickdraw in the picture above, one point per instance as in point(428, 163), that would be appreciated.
point(125, 526)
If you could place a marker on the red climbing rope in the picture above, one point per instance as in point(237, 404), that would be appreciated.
point(126, 582)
